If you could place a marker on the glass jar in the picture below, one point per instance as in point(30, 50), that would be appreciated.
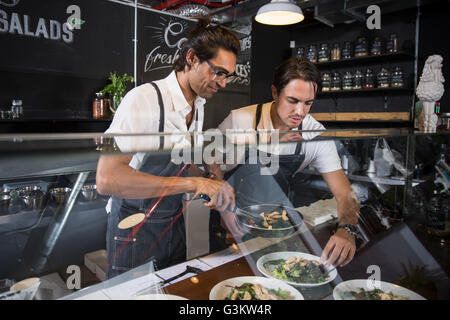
point(397, 80)
point(361, 47)
point(324, 53)
point(347, 81)
point(336, 52)
point(312, 53)
point(326, 81)
point(358, 79)
point(376, 48)
point(369, 79)
point(16, 109)
point(383, 78)
point(347, 50)
point(392, 45)
point(300, 52)
point(335, 82)
point(99, 107)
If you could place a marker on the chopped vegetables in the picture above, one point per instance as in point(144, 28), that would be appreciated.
point(296, 269)
point(249, 291)
point(375, 294)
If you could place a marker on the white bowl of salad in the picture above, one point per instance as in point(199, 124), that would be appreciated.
point(253, 288)
point(295, 268)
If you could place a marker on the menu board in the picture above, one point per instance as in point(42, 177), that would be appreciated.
point(83, 38)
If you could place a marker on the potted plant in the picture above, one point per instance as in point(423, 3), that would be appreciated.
point(417, 278)
point(116, 89)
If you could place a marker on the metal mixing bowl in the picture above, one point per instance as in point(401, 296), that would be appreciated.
point(89, 191)
point(60, 195)
point(289, 227)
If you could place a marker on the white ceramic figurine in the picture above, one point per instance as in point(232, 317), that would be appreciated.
point(430, 90)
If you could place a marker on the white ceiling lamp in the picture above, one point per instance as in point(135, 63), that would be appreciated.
point(279, 12)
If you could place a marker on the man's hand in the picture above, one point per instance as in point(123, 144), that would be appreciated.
point(219, 191)
point(230, 223)
point(339, 250)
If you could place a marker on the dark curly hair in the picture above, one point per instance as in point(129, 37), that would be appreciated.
point(296, 68)
point(205, 39)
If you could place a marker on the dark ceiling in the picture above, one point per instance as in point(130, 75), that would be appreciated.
point(239, 13)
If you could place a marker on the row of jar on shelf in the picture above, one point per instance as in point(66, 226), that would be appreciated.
point(359, 80)
point(323, 52)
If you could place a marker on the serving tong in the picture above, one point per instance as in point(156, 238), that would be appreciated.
point(189, 269)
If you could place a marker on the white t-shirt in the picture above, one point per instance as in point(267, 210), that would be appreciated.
point(139, 113)
point(322, 154)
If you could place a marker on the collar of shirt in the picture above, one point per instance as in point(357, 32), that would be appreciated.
point(266, 120)
point(179, 101)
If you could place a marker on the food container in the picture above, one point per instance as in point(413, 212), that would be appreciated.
point(347, 82)
point(397, 80)
point(324, 53)
point(5, 200)
point(358, 80)
point(60, 195)
point(89, 192)
point(326, 81)
point(34, 200)
point(336, 52)
point(392, 45)
point(335, 82)
point(444, 121)
point(347, 50)
point(369, 79)
point(33, 197)
point(383, 78)
point(311, 54)
point(300, 52)
point(287, 227)
point(377, 47)
point(361, 47)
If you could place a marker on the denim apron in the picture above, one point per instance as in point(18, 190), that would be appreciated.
point(149, 243)
point(251, 187)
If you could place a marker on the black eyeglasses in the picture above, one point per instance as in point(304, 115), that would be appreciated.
point(221, 75)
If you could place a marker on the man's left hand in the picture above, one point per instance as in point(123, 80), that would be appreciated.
point(339, 250)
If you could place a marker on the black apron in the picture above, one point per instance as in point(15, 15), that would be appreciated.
point(148, 243)
point(251, 187)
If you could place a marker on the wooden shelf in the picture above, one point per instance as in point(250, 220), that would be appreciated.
point(382, 58)
point(364, 91)
point(363, 116)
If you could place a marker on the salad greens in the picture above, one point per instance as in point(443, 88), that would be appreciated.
point(296, 270)
point(375, 294)
point(249, 291)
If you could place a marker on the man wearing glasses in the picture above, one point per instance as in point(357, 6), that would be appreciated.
point(136, 181)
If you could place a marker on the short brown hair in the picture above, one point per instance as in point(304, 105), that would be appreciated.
point(296, 68)
point(206, 39)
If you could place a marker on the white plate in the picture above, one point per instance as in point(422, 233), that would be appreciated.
point(286, 255)
point(159, 296)
point(355, 285)
point(220, 291)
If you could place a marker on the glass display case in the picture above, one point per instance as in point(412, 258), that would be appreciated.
point(54, 222)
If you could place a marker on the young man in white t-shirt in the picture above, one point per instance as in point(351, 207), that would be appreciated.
point(296, 82)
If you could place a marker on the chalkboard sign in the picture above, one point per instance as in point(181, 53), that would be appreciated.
point(82, 38)
point(160, 39)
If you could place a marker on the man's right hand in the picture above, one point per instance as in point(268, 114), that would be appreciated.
point(219, 191)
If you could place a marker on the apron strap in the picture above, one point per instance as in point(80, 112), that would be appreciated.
point(161, 113)
point(299, 145)
point(257, 119)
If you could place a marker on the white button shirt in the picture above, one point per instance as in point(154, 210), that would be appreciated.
point(322, 155)
point(139, 113)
